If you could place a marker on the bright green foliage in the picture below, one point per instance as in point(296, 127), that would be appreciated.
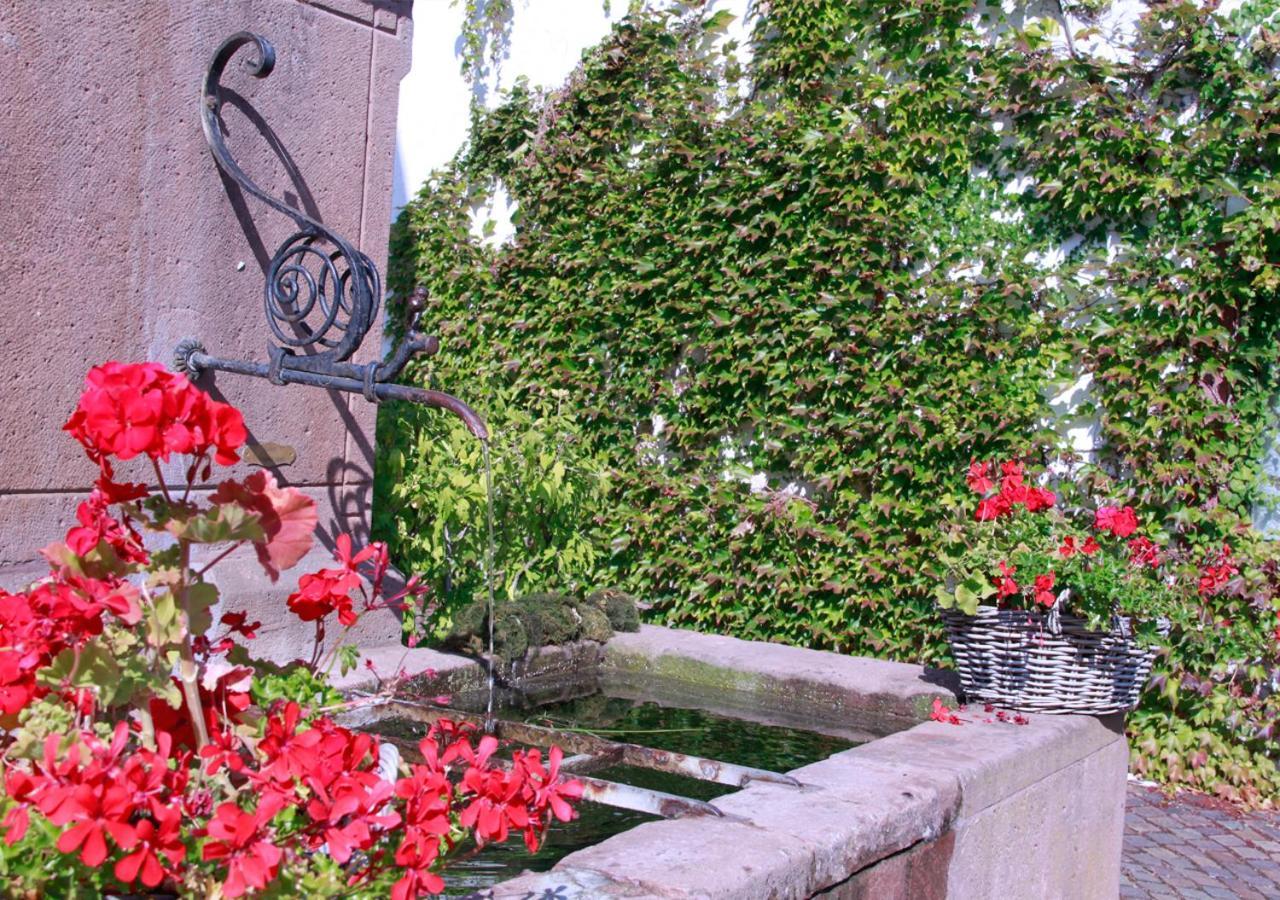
point(431, 501)
point(809, 268)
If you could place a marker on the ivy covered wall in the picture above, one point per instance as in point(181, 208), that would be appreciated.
point(787, 295)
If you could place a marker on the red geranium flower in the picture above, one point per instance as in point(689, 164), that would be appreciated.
point(322, 592)
point(99, 810)
point(238, 837)
point(1011, 475)
point(1120, 521)
point(992, 508)
point(942, 713)
point(1044, 589)
point(1036, 499)
point(158, 843)
point(1005, 584)
point(97, 525)
point(128, 410)
point(289, 753)
point(1217, 572)
point(1144, 552)
point(977, 479)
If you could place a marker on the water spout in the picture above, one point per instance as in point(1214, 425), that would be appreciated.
point(440, 400)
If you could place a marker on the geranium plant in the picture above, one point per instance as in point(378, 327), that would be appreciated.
point(1024, 546)
point(145, 748)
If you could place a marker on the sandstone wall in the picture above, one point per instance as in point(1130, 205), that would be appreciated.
point(121, 236)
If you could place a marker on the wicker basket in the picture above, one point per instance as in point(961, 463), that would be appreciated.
point(1009, 658)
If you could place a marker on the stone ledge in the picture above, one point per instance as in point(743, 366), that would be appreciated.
point(777, 841)
point(992, 761)
point(857, 809)
point(867, 693)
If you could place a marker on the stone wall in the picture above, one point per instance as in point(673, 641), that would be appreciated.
point(122, 237)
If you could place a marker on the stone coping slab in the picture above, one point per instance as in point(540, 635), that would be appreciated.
point(874, 695)
point(856, 808)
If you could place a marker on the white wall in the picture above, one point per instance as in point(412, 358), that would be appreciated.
point(547, 40)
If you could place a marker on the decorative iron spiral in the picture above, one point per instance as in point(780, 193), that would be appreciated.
point(311, 297)
point(322, 294)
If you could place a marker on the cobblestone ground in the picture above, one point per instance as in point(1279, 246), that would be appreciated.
point(1192, 847)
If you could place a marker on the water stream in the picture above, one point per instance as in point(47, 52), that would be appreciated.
point(488, 578)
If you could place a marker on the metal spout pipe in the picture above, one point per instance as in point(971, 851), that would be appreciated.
point(198, 362)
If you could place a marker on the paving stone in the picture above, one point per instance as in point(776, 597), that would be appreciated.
point(1184, 848)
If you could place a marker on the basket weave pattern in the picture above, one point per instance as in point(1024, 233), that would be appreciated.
point(1009, 658)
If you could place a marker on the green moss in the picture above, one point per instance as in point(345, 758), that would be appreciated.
point(510, 636)
point(470, 622)
point(619, 607)
point(595, 624)
point(549, 618)
point(531, 622)
point(685, 672)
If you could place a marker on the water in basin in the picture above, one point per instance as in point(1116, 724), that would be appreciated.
point(682, 730)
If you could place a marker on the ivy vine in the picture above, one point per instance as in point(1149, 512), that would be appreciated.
point(790, 294)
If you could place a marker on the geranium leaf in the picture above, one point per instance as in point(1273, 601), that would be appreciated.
point(286, 515)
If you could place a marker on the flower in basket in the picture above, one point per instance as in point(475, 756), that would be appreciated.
point(1024, 546)
point(144, 748)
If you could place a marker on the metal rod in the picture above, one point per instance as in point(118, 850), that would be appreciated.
point(656, 803)
point(582, 763)
point(626, 754)
point(598, 790)
point(321, 294)
point(423, 396)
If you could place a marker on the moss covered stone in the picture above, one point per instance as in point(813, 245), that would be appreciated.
point(619, 607)
point(540, 620)
point(549, 618)
point(595, 624)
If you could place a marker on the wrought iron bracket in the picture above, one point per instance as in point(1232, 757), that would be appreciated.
point(321, 294)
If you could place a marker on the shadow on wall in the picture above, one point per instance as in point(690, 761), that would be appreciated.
point(349, 484)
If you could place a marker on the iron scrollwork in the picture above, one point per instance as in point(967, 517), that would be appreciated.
point(321, 295)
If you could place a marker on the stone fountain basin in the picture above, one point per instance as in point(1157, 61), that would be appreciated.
point(924, 809)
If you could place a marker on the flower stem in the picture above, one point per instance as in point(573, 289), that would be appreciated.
point(164, 487)
point(219, 558)
point(188, 671)
point(333, 654)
